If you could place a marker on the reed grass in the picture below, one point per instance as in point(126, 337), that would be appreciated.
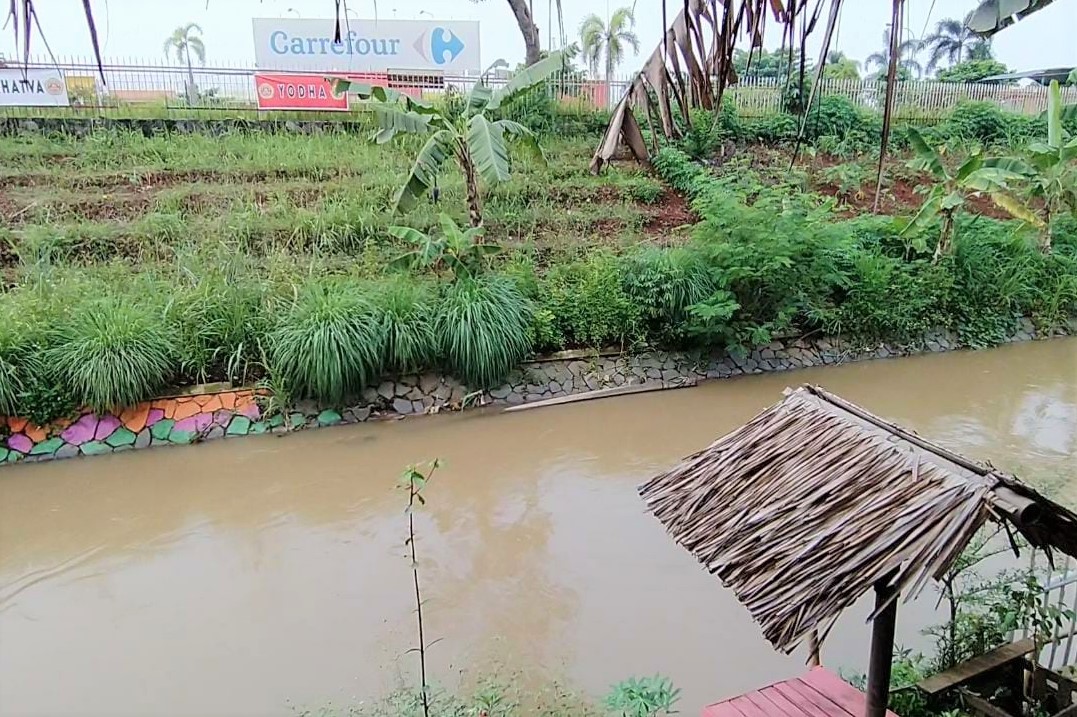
point(330, 341)
point(112, 353)
point(407, 313)
point(483, 328)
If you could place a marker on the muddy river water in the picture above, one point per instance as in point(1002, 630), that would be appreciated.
point(239, 577)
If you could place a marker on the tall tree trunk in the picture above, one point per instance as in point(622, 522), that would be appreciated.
point(192, 93)
point(609, 77)
point(471, 180)
point(528, 29)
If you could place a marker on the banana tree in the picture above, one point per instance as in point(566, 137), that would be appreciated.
point(478, 142)
point(1050, 168)
point(948, 196)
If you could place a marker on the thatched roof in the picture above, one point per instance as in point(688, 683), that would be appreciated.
point(804, 508)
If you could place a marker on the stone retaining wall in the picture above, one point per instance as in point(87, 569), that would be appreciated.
point(189, 419)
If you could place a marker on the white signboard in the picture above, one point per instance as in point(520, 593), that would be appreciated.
point(366, 45)
point(32, 88)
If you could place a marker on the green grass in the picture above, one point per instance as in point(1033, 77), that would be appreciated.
point(265, 257)
point(112, 353)
point(329, 343)
point(483, 328)
point(407, 311)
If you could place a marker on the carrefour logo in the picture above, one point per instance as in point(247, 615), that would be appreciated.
point(281, 43)
point(441, 46)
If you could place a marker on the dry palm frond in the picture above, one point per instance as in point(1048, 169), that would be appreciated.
point(807, 506)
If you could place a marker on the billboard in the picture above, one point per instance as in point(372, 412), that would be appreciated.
point(297, 92)
point(32, 88)
point(366, 45)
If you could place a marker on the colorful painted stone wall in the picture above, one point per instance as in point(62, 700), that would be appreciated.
point(175, 420)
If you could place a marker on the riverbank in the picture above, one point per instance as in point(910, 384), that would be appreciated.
point(218, 412)
point(138, 267)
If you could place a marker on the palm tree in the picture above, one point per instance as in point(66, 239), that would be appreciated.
point(907, 63)
point(953, 42)
point(840, 67)
point(181, 43)
point(598, 39)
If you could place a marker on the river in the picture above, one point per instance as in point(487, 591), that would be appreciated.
point(241, 576)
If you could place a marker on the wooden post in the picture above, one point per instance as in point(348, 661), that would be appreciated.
point(813, 649)
point(882, 649)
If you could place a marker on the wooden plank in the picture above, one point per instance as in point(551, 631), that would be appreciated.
point(970, 669)
point(804, 693)
point(838, 691)
point(722, 709)
point(602, 393)
point(981, 705)
point(782, 705)
point(748, 708)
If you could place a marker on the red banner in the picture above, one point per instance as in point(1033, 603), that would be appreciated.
point(298, 92)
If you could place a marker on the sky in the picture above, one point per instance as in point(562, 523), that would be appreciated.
point(136, 29)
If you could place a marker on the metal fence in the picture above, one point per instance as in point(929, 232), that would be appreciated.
point(920, 99)
point(137, 87)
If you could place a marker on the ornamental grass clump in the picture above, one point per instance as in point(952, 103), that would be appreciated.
point(407, 314)
point(17, 354)
point(483, 328)
point(329, 343)
point(112, 353)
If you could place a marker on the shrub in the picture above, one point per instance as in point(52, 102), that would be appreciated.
point(407, 315)
point(483, 328)
point(978, 121)
point(112, 353)
point(703, 135)
point(219, 321)
point(590, 304)
point(664, 283)
point(330, 342)
point(17, 354)
point(774, 128)
point(889, 299)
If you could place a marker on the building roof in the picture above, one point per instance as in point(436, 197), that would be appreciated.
point(1043, 77)
point(804, 508)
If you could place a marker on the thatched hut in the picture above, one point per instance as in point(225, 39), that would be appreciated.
point(816, 501)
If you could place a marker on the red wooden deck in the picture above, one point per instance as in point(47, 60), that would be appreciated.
point(817, 694)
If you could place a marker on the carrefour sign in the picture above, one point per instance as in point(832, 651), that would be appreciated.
point(366, 45)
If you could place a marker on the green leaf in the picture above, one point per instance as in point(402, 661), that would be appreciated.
point(528, 78)
point(972, 164)
point(408, 234)
point(395, 119)
point(478, 99)
point(932, 162)
point(386, 95)
point(488, 149)
point(1054, 115)
point(952, 200)
point(474, 233)
point(927, 212)
point(425, 170)
point(450, 228)
point(1069, 150)
point(524, 137)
